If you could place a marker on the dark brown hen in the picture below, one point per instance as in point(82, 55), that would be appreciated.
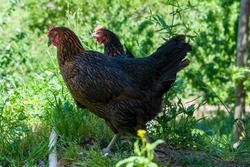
point(126, 92)
point(112, 44)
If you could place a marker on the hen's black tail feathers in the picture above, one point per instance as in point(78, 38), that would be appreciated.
point(170, 60)
point(167, 52)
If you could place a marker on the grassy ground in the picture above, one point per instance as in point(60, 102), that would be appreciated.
point(208, 150)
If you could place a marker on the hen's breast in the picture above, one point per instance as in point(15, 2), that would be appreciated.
point(82, 88)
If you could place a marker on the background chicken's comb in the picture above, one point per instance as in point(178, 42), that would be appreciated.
point(51, 27)
point(98, 27)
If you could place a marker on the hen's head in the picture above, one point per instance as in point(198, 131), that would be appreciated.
point(53, 36)
point(63, 37)
point(100, 34)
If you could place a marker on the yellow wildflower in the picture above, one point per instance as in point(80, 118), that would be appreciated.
point(35, 100)
point(141, 133)
point(26, 102)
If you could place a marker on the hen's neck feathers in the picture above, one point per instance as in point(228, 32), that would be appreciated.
point(112, 46)
point(69, 46)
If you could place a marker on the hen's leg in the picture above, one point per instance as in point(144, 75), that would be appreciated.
point(111, 144)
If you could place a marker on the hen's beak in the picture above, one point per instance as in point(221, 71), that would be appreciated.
point(93, 35)
point(49, 42)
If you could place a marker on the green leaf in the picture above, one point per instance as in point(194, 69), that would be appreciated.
point(179, 81)
point(155, 144)
point(162, 22)
point(190, 108)
point(209, 132)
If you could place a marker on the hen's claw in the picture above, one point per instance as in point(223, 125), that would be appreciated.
point(106, 151)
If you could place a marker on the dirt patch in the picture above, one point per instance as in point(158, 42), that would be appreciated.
point(175, 157)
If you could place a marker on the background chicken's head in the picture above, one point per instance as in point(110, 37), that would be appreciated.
point(99, 34)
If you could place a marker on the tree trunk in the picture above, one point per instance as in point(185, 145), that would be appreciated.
point(241, 60)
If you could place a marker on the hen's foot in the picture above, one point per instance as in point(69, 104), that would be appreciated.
point(106, 151)
point(111, 144)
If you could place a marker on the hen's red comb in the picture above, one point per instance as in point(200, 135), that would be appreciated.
point(51, 28)
point(98, 28)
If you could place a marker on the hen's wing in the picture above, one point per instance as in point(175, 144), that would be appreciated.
point(101, 81)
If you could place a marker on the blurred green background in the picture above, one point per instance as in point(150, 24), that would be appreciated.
point(33, 93)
